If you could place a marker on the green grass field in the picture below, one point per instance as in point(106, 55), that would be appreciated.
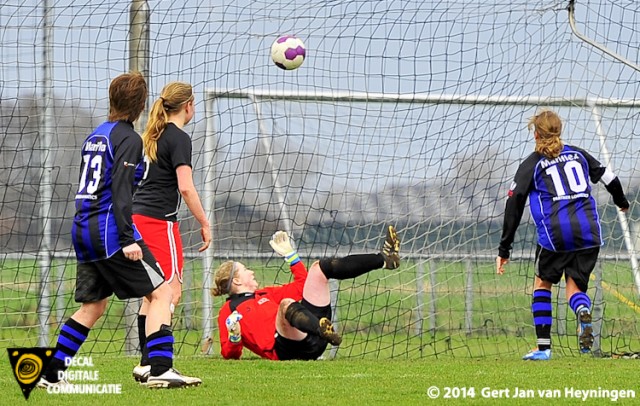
point(383, 360)
point(352, 382)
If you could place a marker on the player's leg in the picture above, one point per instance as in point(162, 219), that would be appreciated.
point(316, 287)
point(352, 266)
point(578, 272)
point(311, 316)
point(289, 324)
point(312, 332)
point(159, 337)
point(133, 279)
point(547, 274)
point(542, 311)
point(159, 340)
point(92, 292)
point(148, 231)
point(580, 303)
point(294, 320)
point(142, 370)
point(175, 255)
point(163, 240)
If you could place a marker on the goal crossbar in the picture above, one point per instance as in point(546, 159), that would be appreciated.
point(426, 98)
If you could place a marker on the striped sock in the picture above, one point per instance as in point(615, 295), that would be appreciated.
point(160, 348)
point(579, 301)
point(542, 317)
point(72, 335)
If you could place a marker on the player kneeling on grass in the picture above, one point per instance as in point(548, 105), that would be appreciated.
point(556, 179)
point(292, 321)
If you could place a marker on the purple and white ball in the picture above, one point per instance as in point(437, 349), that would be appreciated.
point(288, 52)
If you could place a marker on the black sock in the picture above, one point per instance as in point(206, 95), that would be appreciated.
point(160, 349)
point(72, 335)
point(350, 266)
point(142, 336)
point(301, 318)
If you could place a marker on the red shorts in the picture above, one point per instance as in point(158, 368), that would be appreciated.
point(163, 239)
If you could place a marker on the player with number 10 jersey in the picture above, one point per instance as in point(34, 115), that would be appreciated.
point(556, 178)
point(562, 206)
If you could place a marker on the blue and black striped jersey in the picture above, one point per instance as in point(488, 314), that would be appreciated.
point(102, 224)
point(562, 207)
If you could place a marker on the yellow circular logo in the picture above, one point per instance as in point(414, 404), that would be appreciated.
point(28, 368)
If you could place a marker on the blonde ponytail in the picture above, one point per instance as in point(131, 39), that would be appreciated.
point(174, 96)
point(158, 120)
point(548, 127)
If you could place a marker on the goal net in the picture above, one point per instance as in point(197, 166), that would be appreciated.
point(408, 113)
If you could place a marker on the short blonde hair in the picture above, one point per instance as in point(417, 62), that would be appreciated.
point(222, 278)
point(548, 126)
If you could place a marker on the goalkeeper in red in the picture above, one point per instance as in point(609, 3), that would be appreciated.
point(556, 177)
point(291, 321)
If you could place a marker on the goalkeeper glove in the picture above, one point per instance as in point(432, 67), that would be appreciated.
point(282, 246)
point(233, 327)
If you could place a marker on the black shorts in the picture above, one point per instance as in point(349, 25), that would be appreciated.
point(127, 279)
point(550, 265)
point(311, 347)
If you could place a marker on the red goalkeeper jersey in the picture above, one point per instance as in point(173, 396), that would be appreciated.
point(258, 310)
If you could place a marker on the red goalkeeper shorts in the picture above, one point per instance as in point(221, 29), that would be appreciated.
point(163, 239)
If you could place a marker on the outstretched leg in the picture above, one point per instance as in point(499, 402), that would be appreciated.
point(353, 266)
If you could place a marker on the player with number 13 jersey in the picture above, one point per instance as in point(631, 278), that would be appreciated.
point(102, 224)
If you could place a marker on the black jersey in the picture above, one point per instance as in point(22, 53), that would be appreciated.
point(562, 207)
point(158, 195)
point(102, 224)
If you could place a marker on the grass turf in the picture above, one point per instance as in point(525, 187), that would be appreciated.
point(348, 382)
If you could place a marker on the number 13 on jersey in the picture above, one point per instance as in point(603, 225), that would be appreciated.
point(91, 173)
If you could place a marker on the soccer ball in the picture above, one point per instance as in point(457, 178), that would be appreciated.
point(288, 52)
